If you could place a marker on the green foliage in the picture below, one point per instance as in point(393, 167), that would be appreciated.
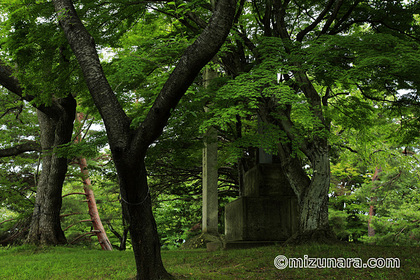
point(140, 66)
point(397, 203)
point(394, 196)
point(37, 50)
point(358, 70)
point(108, 21)
point(175, 217)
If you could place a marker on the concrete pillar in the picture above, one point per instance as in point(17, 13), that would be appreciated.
point(210, 176)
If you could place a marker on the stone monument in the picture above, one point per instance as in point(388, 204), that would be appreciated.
point(267, 211)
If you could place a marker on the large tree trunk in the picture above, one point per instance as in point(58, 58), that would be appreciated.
point(137, 206)
point(56, 125)
point(313, 202)
point(55, 131)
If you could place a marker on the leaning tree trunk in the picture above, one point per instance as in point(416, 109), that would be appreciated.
point(90, 198)
point(371, 230)
point(45, 226)
point(93, 208)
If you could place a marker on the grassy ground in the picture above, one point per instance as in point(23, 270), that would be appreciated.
point(76, 263)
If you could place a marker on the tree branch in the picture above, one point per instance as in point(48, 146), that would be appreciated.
point(117, 123)
point(311, 27)
point(332, 17)
point(195, 57)
point(348, 148)
point(81, 221)
point(29, 146)
point(11, 83)
point(8, 81)
point(73, 193)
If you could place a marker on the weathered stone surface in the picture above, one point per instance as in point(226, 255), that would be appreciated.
point(268, 211)
point(214, 246)
point(266, 180)
point(261, 219)
point(210, 177)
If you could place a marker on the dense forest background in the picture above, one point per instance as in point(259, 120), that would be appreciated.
point(361, 59)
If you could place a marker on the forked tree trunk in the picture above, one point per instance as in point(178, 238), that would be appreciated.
point(45, 226)
point(311, 193)
point(129, 145)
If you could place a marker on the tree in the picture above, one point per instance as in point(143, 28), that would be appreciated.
point(129, 145)
point(290, 60)
point(56, 125)
point(38, 72)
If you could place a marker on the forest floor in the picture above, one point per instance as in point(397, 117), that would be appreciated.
point(26, 262)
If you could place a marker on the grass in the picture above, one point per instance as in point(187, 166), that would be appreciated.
point(77, 263)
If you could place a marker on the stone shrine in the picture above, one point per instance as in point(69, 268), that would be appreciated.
point(266, 211)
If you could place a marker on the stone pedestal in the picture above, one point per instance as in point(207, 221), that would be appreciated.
point(268, 211)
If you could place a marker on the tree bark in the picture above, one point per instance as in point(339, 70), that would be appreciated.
point(137, 207)
point(93, 208)
point(45, 225)
point(313, 223)
point(128, 145)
